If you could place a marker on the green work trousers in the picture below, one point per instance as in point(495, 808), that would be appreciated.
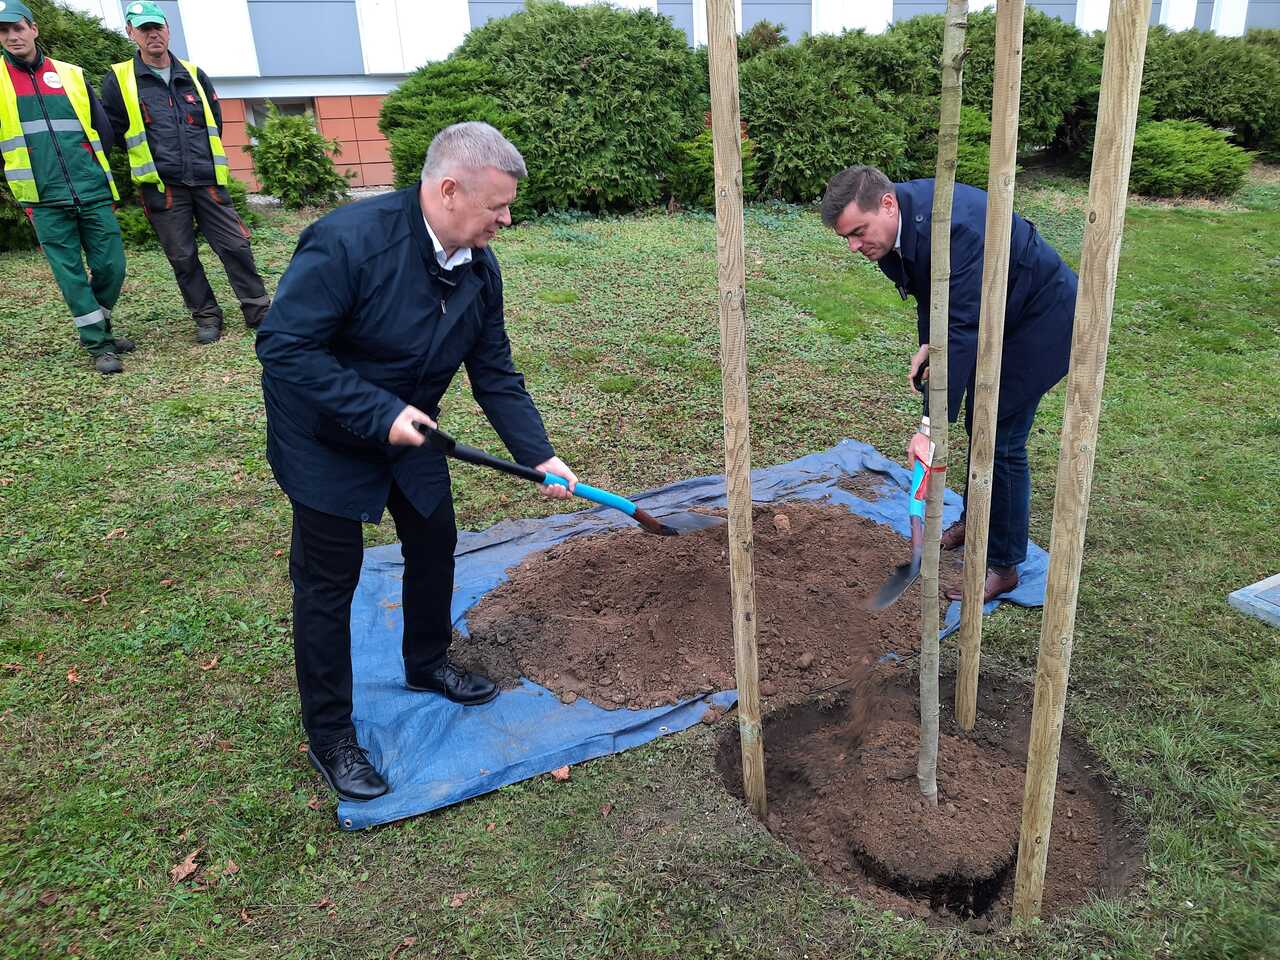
point(64, 232)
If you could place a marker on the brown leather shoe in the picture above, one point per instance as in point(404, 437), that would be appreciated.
point(999, 580)
point(953, 537)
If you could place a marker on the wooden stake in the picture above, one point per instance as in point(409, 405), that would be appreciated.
point(953, 52)
point(722, 52)
point(986, 394)
point(1108, 189)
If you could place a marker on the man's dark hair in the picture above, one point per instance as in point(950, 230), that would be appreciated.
point(861, 185)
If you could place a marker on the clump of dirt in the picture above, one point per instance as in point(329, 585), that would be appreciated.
point(842, 792)
point(626, 619)
point(866, 484)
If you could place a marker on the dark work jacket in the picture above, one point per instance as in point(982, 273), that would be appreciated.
point(1039, 311)
point(365, 321)
point(174, 119)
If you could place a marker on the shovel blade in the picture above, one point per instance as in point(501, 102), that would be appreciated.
point(904, 574)
point(691, 522)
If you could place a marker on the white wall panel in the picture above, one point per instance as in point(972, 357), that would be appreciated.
point(1178, 14)
point(700, 21)
point(220, 37)
point(1229, 17)
point(622, 4)
point(431, 31)
point(834, 16)
point(108, 11)
point(1091, 15)
point(380, 43)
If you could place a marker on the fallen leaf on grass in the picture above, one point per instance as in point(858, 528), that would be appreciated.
point(244, 916)
point(5, 481)
point(402, 945)
point(560, 774)
point(278, 553)
point(231, 868)
point(302, 747)
point(73, 675)
point(458, 899)
point(224, 746)
point(180, 871)
point(314, 803)
point(209, 664)
point(606, 809)
point(101, 597)
point(167, 582)
point(490, 827)
point(119, 533)
point(48, 898)
point(12, 667)
point(326, 903)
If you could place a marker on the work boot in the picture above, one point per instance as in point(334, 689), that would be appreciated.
point(999, 580)
point(460, 686)
point(208, 331)
point(345, 766)
point(106, 363)
point(254, 314)
point(954, 537)
point(125, 345)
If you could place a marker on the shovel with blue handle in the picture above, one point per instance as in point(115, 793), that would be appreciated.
point(669, 526)
point(905, 574)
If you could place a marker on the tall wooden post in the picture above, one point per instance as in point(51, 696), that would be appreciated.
point(953, 53)
point(722, 52)
point(995, 286)
point(1108, 190)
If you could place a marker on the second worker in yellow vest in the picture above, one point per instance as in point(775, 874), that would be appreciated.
point(166, 116)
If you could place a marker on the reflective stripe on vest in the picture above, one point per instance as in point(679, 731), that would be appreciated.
point(141, 163)
point(13, 141)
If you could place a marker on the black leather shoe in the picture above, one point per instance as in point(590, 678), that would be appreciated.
point(125, 345)
point(460, 686)
point(346, 768)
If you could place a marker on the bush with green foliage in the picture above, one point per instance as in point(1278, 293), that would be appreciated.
point(139, 235)
point(807, 125)
point(692, 177)
point(762, 36)
point(596, 99)
point(1173, 158)
point(1268, 40)
point(76, 38)
point(292, 161)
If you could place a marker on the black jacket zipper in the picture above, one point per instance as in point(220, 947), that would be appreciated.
point(57, 148)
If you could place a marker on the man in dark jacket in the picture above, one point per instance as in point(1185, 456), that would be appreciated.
point(383, 302)
point(52, 132)
point(166, 116)
point(889, 224)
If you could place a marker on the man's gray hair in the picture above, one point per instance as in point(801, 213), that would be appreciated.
point(861, 185)
point(472, 146)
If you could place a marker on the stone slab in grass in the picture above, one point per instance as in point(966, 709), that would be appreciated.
point(1261, 600)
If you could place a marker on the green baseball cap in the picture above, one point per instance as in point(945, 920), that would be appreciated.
point(11, 11)
point(141, 12)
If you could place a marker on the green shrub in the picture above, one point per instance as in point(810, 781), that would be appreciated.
point(973, 152)
point(292, 161)
point(1268, 40)
point(136, 229)
point(437, 96)
point(77, 38)
point(595, 98)
point(693, 175)
point(761, 37)
point(1173, 158)
point(1221, 81)
point(807, 125)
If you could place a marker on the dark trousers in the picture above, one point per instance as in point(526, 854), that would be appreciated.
point(324, 565)
point(1010, 485)
point(175, 213)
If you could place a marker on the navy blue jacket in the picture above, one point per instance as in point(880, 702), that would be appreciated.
point(364, 322)
point(1039, 311)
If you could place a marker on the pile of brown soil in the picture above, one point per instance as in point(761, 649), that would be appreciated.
point(628, 619)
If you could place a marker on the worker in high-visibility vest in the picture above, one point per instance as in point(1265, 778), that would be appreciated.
point(52, 130)
point(166, 116)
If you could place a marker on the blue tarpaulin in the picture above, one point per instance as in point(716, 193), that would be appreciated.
point(435, 753)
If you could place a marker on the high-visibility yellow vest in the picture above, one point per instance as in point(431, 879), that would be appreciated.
point(13, 143)
point(141, 164)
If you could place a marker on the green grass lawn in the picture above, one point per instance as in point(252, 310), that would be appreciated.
point(147, 700)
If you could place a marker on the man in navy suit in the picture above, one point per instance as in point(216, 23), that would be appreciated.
point(384, 301)
point(889, 224)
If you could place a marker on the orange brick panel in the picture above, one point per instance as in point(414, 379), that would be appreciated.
point(378, 175)
point(366, 106)
point(248, 179)
point(333, 107)
point(347, 154)
point(375, 151)
point(238, 159)
point(232, 110)
point(357, 180)
point(234, 133)
point(367, 129)
point(338, 129)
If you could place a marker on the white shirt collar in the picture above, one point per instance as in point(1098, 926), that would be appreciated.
point(460, 256)
point(897, 244)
